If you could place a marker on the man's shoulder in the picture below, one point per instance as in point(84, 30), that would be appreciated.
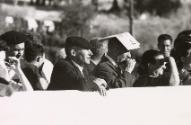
point(106, 65)
point(105, 68)
point(64, 64)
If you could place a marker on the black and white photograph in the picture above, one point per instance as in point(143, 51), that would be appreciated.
point(95, 62)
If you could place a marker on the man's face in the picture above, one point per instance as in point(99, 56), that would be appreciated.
point(17, 50)
point(38, 61)
point(104, 47)
point(159, 66)
point(165, 47)
point(124, 57)
point(123, 60)
point(83, 56)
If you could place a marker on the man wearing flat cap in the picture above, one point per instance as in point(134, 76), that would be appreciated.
point(71, 73)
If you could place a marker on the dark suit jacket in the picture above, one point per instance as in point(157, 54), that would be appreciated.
point(113, 76)
point(145, 80)
point(66, 76)
point(92, 66)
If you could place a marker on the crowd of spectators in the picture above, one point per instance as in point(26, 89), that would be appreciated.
point(86, 65)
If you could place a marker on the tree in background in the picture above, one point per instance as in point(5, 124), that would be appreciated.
point(75, 18)
point(115, 7)
point(95, 3)
point(158, 7)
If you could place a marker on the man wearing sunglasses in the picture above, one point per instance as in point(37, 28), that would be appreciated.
point(152, 70)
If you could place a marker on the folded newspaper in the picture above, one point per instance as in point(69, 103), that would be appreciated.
point(126, 39)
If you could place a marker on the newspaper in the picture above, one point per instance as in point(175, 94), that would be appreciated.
point(126, 39)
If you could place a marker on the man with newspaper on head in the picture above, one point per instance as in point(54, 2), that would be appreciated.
point(117, 71)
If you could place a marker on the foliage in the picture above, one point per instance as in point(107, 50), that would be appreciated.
point(75, 19)
point(18, 24)
point(115, 6)
point(157, 7)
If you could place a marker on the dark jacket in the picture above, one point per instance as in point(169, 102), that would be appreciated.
point(145, 80)
point(92, 66)
point(66, 76)
point(185, 77)
point(113, 76)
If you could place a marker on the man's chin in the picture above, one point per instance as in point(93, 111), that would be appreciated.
point(87, 62)
point(166, 54)
point(161, 73)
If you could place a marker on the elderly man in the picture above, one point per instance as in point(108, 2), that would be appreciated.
point(71, 73)
point(100, 49)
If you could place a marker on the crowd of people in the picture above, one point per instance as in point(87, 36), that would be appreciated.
point(87, 65)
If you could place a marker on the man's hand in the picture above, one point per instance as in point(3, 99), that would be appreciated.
point(101, 84)
point(102, 90)
point(167, 54)
point(15, 63)
point(130, 65)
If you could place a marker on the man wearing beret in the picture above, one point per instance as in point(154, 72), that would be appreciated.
point(71, 73)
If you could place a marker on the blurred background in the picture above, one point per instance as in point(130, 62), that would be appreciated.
point(54, 20)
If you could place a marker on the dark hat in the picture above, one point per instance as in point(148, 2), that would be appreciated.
point(76, 41)
point(3, 45)
point(183, 37)
point(14, 37)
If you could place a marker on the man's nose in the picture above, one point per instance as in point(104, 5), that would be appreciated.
point(166, 48)
point(20, 51)
point(90, 53)
point(164, 65)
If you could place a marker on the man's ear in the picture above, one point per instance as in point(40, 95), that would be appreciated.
point(73, 52)
point(38, 58)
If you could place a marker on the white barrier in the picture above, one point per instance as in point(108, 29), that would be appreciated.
point(130, 106)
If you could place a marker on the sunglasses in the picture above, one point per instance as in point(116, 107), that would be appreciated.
point(160, 61)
